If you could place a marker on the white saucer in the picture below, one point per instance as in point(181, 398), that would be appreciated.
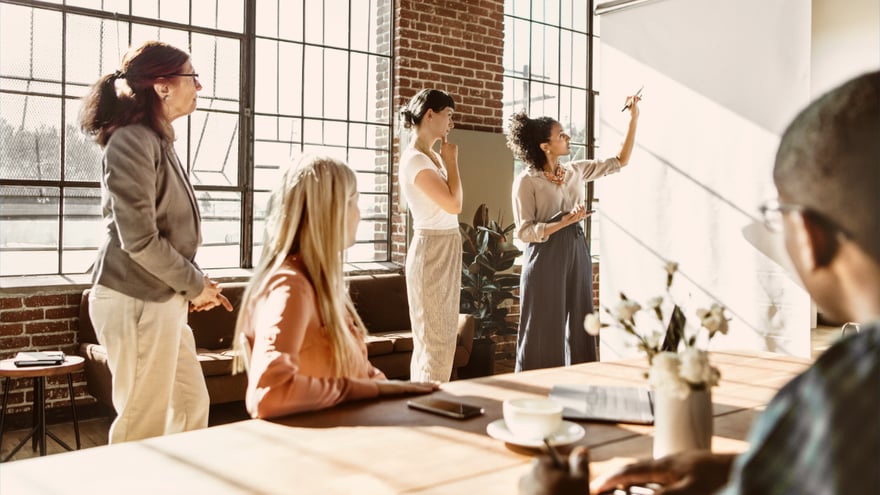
point(567, 433)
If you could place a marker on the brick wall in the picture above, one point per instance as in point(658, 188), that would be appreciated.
point(456, 46)
point(41, 319)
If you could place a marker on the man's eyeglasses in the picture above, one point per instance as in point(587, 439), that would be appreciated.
point(772, 211)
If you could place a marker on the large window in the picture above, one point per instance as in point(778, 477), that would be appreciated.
point(280, 78)
point(548, 67)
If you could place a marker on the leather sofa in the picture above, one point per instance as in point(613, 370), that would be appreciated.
point(380, 301)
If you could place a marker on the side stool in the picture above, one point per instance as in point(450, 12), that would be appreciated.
point(39, 432)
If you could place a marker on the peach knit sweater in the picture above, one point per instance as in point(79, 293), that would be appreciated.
point(291, 367)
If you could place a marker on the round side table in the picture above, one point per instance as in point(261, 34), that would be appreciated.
point(38, 433)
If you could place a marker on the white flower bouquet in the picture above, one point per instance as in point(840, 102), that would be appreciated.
point(678, 358)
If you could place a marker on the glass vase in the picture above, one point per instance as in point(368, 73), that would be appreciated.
point(682, 423)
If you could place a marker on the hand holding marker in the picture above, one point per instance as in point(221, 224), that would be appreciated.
point(638, 93)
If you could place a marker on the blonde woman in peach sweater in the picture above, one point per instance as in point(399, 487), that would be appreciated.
point(307, 349)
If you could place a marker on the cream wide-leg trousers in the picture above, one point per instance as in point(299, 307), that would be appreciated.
point(158, 385)
point(433, 289)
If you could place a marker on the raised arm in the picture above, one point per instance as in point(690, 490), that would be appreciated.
point(630, 138)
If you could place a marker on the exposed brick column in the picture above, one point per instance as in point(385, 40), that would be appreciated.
point(456, 46)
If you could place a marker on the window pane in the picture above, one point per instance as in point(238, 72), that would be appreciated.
point(29, 230)
point(221, 234)
point(37, 47)
point(176, 37)
point(89, 57)
point(214, 149)
point(313, 97)
point(519, 46)
point(366, 162)
point(364, 26)
point(335, 22)
point(544, 100)
point(31, 145)
point(575, 15)
point(314, 14)
point(82, 155)
point(573, 57)
point(83, 229)
point(166, 10)
point(215, 59)
point(336, 75)
point(519, 8)
point(290, 19)
point(545, 11)
point(220, 14)
point(572, 113)
point(515, 91)
point(545, 53)
point(120, 6)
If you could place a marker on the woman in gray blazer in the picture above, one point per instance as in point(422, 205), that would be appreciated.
point(145, 278)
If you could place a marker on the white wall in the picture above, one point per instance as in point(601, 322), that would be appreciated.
point(845, 43)
point(486, 169)
point(722, 78)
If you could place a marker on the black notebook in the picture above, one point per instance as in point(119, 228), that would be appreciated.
point(605, 403)
point(38, 358)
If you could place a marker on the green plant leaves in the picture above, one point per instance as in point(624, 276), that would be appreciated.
point(487, 253)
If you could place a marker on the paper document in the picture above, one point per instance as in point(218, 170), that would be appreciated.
point(605, 403)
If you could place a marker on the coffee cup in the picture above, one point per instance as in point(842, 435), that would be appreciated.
point(532, 419)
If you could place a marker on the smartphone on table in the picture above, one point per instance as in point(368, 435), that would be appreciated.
point(444, 407)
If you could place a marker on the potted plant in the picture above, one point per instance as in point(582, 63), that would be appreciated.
point(487, 285)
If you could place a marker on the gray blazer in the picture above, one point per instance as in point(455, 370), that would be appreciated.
point(152, 219)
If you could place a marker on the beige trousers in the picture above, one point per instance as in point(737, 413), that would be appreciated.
point(158, 385)
point(433, 288)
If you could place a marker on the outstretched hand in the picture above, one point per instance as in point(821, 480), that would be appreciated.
point(686, 473)
point(399, 387)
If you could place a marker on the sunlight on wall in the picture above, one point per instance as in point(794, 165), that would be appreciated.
point(693, 184)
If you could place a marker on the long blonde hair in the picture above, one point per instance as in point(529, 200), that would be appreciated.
point(307, 216)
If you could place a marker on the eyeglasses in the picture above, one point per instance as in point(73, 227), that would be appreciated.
point(182, 74)
point(772, 211)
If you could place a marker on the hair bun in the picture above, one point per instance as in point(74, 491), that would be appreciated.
point(407, 116)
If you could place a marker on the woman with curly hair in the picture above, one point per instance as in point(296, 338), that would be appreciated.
point(548, 206)
point(304, 339)
point(431, 185)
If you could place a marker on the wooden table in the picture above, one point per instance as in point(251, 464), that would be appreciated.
point(384, 447)
point(39, 432)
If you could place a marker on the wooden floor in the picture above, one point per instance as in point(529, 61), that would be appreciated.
point(93, 432)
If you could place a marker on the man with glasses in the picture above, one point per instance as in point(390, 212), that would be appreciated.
point(820, 434)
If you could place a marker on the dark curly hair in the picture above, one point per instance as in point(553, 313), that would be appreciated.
point(433, 99)
point(525, 135)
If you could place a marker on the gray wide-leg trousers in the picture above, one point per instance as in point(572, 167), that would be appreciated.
point(556, 293)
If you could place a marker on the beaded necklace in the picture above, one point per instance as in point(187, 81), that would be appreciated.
point(558, 178)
